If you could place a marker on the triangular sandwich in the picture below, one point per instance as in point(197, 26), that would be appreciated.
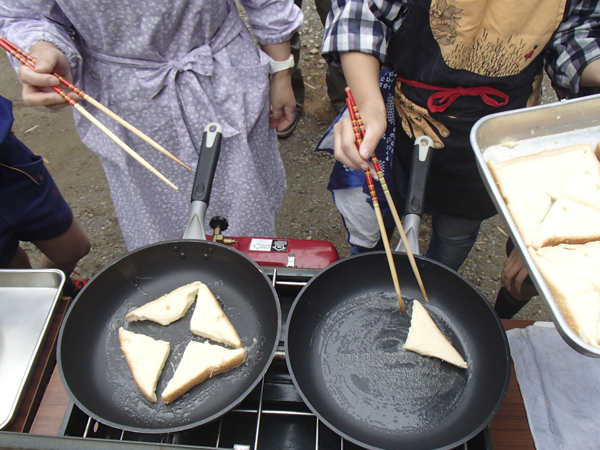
point(548, 170)
point(577, 297)
point(210, 322)
point(568, 222)
point(168, 308)
point(146, 358)
point(425, 338)
point(199, 362)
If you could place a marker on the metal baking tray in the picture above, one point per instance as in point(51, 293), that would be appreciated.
point(527, 131)
point(28, 301)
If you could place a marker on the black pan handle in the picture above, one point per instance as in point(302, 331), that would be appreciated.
point(207, 162)
point(205, 172)
point(419, 172)
point(415, 201)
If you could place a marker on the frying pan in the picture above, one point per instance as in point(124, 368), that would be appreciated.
point(344, 353)
point(91, 365)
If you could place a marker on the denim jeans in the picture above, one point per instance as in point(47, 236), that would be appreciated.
point(451, 240)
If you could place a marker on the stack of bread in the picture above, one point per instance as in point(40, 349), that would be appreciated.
point(146, 356)
point(554, 199)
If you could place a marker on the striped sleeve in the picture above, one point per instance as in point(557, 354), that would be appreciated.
point(575, 44)
point(352, 27)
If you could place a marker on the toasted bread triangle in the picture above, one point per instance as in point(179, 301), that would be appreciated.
point(168, 308)
point(425, 338)
point(199, 362)
point(146, 358)
point(210, 322)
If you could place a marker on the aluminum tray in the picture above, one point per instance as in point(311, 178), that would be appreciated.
point(28, 300)
point(527, 131)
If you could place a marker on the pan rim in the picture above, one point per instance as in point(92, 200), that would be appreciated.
point(493, 411)
point(162, 430)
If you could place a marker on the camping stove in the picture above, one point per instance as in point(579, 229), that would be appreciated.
point(273, 416)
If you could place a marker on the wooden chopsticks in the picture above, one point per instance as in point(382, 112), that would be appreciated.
point(386, 243)
point(29, 61)
point(359, 131)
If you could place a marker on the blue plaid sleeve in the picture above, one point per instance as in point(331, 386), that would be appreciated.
point(575, 44)
point(352, 27)
point(390, 12)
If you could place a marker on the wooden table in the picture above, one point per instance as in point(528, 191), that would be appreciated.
point(509, 429)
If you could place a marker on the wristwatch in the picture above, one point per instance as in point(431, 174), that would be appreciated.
point(278, 66)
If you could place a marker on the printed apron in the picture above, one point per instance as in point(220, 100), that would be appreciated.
point(457, 61)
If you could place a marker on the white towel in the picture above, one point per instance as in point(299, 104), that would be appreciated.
point(560, 387)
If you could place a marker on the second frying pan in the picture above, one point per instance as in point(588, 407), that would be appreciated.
point(91, 364)
point(344, 352)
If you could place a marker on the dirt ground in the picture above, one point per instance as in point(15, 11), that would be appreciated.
point(308, 211)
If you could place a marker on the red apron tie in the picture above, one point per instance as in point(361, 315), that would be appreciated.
point(444, 97)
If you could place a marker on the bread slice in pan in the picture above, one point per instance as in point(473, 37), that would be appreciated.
point(425, 338)
point(146, 358)
point(584, 184)
point(567, 222)
point(577, 298)
point(168, 308)
point(201, 361)
point(553, 196)
point(528, 205)
point(582, 261)
point(549, 170)
point(210, 322)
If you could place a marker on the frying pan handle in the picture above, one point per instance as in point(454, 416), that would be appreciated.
point(207, 162)
point(205, 172)
point(419, 172)
point(415, 201)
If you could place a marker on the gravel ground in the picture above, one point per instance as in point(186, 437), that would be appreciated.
point(308, 211)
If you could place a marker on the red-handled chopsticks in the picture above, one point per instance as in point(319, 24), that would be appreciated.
point(359, 131)
point(386, 243)
point(28, 61)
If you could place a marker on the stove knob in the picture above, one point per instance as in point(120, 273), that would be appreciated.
point(219, 222)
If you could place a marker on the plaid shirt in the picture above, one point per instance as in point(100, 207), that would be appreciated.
point(366, 26)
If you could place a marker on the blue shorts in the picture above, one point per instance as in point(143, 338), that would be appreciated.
point(31, 207)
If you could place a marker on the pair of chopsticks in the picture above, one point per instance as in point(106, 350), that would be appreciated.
point(359, 132)
point(27, 60)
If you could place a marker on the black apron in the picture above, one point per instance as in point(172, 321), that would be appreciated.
point(430, 51)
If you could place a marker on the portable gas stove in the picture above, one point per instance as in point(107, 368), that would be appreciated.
point(273, 416)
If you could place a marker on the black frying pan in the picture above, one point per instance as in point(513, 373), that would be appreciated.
point(344, 352)
point(90, 360)
point(344, 348)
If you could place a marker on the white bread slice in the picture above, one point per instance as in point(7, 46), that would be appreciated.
point(210, 322)
point(146, 358)
point(568, 222)
point(577, 299)
point(168, 308)
point(548, 170)
point(527, 204)
point(584, 184)
point(199, 362)
point(425, 338)
point(582, 261)
point(571, 177)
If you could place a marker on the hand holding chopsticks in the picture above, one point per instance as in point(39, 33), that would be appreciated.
point(359, 131)
point(29, 61)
